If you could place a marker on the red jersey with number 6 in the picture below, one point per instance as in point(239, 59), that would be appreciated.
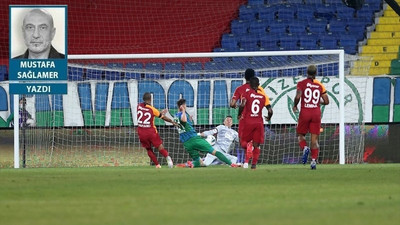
point(255, 102)
point(312, 90)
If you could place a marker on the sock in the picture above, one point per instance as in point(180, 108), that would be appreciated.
point(152, 156)
point(164, 152)
point(314, 153)
point(302, 144)
point(256, 154)
point(223, 158)
point(196, 163)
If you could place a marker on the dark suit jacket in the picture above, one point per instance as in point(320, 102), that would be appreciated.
point(52, 55)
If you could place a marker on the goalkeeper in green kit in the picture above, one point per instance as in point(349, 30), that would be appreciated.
point(193, 143)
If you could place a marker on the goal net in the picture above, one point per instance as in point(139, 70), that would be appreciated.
point(95, 123)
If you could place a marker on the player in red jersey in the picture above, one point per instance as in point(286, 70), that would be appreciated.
point(237, 95)
point(147, 131)
point(310, 91)
point(250, 109)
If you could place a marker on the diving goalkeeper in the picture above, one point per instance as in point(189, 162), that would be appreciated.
point(226, 139)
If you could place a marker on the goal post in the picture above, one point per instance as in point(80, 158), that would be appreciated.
point(94, 125)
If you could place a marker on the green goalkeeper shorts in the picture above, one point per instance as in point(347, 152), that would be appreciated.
point(195, 145)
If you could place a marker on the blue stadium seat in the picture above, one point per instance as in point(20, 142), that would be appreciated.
point(337, 26)
point(286, 13)
point(345, 12)
point(239, 27)
point(289, 42)
point(331, 69)
point(269, 42)
point(247, 12)
point(212, 69)
point(325, 11)
point(258, 27)
point(75, 73)
point(249, 42)
point(114, 75)
point(348, 43)
point(151, 70)
point(317, 27)
point(308, 42)
point(3, 72)
point(277, 28)
point(328, 42)
point(267, 13)
point(133, 75)
point(189, 69)
point(269, 73)
point(255, 2)
point(171, 70)
point(305, 12)
point(93, 73)
point(290, 72)
point(229, 42)
point(297, 27)
point(367, 15)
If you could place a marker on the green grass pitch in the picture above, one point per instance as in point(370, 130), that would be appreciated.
point(272, 194)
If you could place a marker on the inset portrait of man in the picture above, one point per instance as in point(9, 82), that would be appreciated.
point(38, 31)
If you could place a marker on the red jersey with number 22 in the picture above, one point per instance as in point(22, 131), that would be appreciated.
point(312, 90)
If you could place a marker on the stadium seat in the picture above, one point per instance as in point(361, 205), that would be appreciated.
point(94, 73)
point(229, 42)
point(133, 75)
point(289, 42)
point(277, 28)
point(348, 43)
point(290, 72)
point(258, 27)
point(337, 26)
point(269, 42)
point(255, 2)
point(305, 13)
point(3, 72)
point(267, 13)
point(249, 42)
point(247, 13)
point(213, 70)
point(151, 70)
point(325, 11)
point(75, 73)
point(172, 70)
point(296, 27)
point(331, 69)
point(239, 27)
point(114, 75)
point(345, 12)
point(317, 26)
point(328, 42)
point(189, 69)
point(286, 13)
point(308, 42)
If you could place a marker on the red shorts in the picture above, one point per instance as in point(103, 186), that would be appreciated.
point(149, 137)
point(253, 132)
point(309, 122)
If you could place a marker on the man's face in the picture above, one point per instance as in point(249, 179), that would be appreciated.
point(228, 122)
point(38, 32)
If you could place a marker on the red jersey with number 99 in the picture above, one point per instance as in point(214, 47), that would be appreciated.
point(255, 102)
point(312, 90)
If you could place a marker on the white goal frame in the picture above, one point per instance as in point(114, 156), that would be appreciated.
point(340, 53)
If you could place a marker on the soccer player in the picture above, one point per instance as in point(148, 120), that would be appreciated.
point(237, 95)
point(250, 110)
point(147, 131)
point(226, 137)
point(310, 91)
point(193, 143)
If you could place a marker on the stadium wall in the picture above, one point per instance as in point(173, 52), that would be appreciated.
point(382, 100)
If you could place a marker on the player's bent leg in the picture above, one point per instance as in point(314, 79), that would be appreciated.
point(153, 157)
point(209, 159)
